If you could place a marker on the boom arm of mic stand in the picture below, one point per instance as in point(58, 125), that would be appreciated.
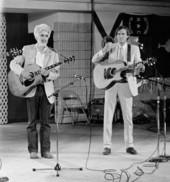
point(57, 91)
point(163, 84)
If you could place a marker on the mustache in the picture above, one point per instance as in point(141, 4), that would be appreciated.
point(44, 40)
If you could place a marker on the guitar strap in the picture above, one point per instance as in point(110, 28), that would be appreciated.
point(128, 53)
point(124, 80)
point(129, 57)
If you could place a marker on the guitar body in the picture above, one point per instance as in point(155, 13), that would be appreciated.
point(21, 88)
point(104, 82)
point(105, 75)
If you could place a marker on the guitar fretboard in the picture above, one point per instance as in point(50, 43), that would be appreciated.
point(53, 66)
point(127, 67)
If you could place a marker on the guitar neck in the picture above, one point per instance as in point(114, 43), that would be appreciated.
point(49, 67)
point(54, 65)
point(125, 68)
point(122, 69)
point(128, 67)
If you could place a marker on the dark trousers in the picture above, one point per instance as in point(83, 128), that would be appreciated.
point(38, 110)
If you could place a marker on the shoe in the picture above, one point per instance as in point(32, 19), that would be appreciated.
point(131, 150)
point(107, 151)
point(47, 155)
point(33, 155)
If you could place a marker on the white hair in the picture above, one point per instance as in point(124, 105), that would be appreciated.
point(40, 28)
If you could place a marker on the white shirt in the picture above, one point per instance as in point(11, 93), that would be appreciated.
point(121, 52)
point(40, 57)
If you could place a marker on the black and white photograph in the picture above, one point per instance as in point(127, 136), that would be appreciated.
point(84, 90)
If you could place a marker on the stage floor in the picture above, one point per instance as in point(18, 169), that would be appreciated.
point(80, 146)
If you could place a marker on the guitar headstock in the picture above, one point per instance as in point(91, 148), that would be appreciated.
point(12, 52)
point(150, 61)
point(69, 59)
point(15, 52)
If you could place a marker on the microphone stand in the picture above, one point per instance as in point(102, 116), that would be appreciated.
point(163, 157)
point(58, 166)
point(164, 121)
point(158, 159)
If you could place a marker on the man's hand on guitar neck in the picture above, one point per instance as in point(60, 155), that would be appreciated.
point(45, 72)
point(140, 68)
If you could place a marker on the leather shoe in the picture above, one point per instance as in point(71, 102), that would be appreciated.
point(33, 155)
point(47, 155)
point(107, 151)
point(131, 150)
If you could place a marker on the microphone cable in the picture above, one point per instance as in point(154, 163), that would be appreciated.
point(0, 163)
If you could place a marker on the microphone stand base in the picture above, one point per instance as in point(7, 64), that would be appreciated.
point(158, 159)
point(4, 179)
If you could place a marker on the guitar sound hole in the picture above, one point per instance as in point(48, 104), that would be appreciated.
point(123, 74)
point(30, 81)
point(109, 73)
point(112, 72)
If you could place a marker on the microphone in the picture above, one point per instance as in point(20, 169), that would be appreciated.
point(141, 45)
point(79, 77)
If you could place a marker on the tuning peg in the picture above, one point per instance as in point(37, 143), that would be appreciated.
point(73, 58)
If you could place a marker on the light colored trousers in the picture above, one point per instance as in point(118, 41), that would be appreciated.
point(126, 101)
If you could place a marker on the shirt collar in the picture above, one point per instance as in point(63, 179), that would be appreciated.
point(124, 46)
point(44, 50)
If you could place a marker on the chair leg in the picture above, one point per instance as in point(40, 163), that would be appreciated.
point(75, 117)
point(87, 119)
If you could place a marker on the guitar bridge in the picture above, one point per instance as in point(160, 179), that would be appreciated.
point(21, 79)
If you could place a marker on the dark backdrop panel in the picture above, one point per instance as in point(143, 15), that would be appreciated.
point(154, 33)
point(17, 31)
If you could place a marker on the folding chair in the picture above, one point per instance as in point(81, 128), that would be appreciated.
point(72, 104)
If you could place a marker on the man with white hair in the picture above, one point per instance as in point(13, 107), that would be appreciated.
point(38, 102)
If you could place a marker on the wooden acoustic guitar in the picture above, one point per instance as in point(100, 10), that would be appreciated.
point(21, 87)
point(106, 75)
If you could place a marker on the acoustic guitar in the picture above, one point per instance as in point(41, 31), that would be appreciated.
point(106, 75)
point(21, 87)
